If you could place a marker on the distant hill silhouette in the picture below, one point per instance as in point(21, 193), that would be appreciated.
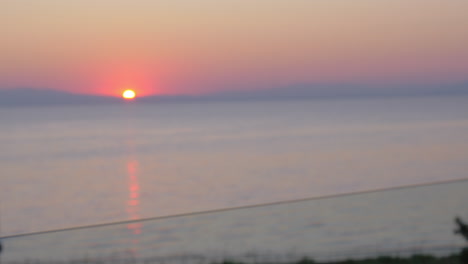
point(319, 91)
point(327, 90)
point(36, 97)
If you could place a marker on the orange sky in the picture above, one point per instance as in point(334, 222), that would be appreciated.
point(190, 47)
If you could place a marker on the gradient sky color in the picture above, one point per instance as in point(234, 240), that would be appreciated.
point(203, 46)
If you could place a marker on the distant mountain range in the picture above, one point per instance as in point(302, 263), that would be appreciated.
point(36, 97)
point(33, 97)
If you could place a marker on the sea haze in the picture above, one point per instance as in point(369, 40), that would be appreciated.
point(65, 166)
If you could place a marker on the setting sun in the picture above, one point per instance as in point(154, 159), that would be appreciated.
point(128, 94)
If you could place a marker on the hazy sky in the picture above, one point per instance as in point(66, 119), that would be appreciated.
point(192, 47)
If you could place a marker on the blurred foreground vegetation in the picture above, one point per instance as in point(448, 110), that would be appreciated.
point(416, 259)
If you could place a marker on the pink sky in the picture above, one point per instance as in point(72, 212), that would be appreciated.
point(192, 47)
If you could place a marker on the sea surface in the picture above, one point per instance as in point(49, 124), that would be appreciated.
point(68, 166)
point(396, 222)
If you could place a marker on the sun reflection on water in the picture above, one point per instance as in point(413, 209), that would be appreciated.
point(133, 200)
point(132, 206)
point(133, 203)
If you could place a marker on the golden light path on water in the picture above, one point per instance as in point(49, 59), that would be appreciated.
point(132, 206)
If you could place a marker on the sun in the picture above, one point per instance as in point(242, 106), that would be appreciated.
point(128, 94)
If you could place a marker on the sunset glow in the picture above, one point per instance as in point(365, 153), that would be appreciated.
point(128, 94)
point(202, 47)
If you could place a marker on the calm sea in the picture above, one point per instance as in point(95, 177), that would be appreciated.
point(70, 166)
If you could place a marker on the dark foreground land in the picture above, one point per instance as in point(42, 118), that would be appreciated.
point(416, 259)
